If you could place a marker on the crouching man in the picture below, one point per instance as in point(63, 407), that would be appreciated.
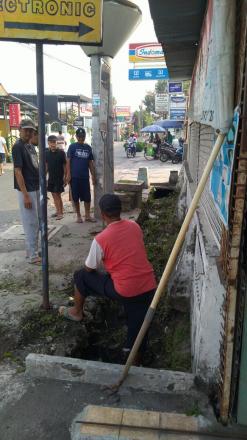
point(130, 277)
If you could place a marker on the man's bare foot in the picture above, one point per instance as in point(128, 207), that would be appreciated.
point(70, 313)
point(79, 220)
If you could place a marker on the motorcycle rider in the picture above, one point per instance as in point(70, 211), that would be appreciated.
point(132, 143)
point(157, 141)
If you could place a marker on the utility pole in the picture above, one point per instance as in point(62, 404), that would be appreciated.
point(115, 33)
point(97, 137)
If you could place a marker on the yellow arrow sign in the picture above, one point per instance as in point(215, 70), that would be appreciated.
point(52, 21)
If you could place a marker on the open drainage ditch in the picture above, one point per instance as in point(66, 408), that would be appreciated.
point(102, 334)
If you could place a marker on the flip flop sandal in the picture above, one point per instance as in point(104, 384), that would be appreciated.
point(37, 261)
point(79, 220)
point(64, 312)
point(91, 220)
point(59, 217)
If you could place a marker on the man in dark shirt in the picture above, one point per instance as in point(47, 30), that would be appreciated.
point(56, 168)
point(26, 182)
point(79, 162)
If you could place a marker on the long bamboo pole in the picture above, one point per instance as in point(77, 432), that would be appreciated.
point(172, 259)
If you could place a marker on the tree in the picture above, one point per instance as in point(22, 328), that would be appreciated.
point(71, 117)
point(186, 87)
point(161, 86)
point(147, 118)
point(149, 102)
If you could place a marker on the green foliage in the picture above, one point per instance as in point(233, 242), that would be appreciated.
point(72, 116)
point(194, 410)
point(136, 119)
point(147, 118)
point(161, 86)
point(186, 87)
point(169, 344)
point(149, 102)
point(139, 146)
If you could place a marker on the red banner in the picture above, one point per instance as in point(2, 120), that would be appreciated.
point(14, 115)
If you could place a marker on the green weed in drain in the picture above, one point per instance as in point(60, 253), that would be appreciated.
point(194, 410)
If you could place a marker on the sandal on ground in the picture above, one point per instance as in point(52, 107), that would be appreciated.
point(37, 261)
point(54, 215)
point(79, 220)
point(59, 217)
point(64, 312)
point(90, 219)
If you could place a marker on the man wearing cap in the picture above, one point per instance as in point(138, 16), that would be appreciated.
point(26, 182)
point(80, 161)
point(130, 277)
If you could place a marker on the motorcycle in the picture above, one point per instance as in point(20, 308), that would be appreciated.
point(168, 152)
point(131, 149)
point(152, 152)
point(178, 155)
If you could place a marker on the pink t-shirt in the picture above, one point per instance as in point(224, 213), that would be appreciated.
point(125, 258)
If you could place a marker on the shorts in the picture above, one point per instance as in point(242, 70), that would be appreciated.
point(136, 307)
point(80, 189)
point(2, 157)
point(55, 186)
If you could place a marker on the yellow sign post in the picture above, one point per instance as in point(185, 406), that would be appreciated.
point(52, 21)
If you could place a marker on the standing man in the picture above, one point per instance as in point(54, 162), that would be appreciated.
point(79, 161)
point(61, 142)
point(3, 153)
point(26, 182)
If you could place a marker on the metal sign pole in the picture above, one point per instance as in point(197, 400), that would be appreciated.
point(42, 173)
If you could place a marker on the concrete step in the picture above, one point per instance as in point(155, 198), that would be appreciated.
point(100, 373)
point(104, 423)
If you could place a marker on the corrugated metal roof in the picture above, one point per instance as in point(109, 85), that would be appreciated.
point(178, 25)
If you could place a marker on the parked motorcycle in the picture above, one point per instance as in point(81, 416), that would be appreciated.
point(168, 152)
point(152, 152)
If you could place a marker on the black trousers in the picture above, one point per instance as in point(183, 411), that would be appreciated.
point(98, 284)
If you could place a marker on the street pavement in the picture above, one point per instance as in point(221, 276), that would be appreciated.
point(125, 168)
point(9, 212)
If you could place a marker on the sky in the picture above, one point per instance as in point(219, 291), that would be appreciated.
point(72, 76)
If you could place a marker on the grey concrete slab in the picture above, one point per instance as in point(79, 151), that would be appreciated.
point(79, 370)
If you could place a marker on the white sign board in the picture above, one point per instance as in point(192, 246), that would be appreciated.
point(212, 88)
point(161, 102)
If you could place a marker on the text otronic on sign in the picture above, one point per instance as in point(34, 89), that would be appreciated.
point(77, 22)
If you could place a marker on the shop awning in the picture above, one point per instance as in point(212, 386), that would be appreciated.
point(177, 25)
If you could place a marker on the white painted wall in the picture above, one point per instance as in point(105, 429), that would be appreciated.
point(207, 299)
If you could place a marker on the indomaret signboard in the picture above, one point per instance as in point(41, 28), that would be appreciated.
point(146, 53)
point(52, 21)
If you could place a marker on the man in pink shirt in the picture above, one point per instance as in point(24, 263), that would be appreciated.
point(129, 277)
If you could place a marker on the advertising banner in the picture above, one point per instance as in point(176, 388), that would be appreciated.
point(220, 178)
point(161, 102)
point(212, 87)
point(177, 114)
point(178, 102)
point(123, 111)
point(14, 115)
point(148, 74)
point(175, 87)
point(146, 52)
